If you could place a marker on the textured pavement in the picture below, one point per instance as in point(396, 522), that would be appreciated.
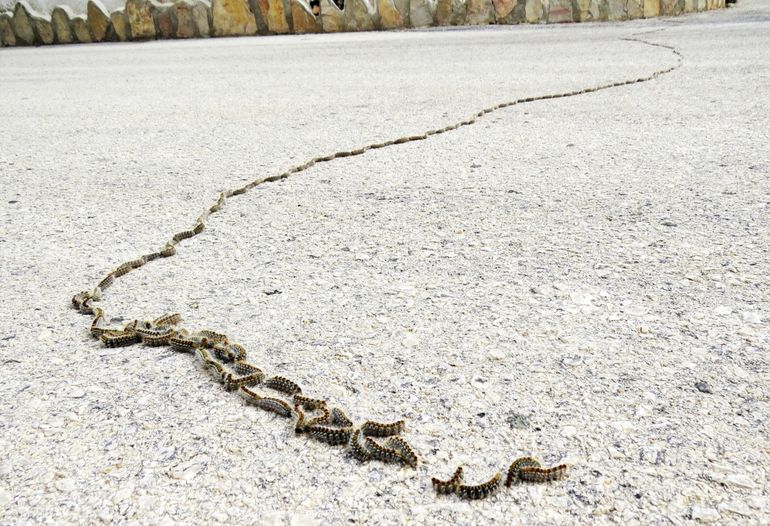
point(582, 279)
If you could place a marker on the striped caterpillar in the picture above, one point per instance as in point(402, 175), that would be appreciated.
point(106, 282)
point(444, 487)
point(274, 405)
point(331, 435)
point(515, 469)
point(339, 418)
point(279, 383)
point(382, 453)
point(358, 450)
point(539, 475)
point(116, 338)
point(376, 429)
point(309, 403)
point(408, 456)
point(479, 491)
point(211, 337)
point(228, 352)
point(181, 236)
point(236, 382)
point(168, 319)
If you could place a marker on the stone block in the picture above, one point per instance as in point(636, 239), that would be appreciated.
point(360, 15)
point(162, 17)
point(99, 21)
point(332, 17)
point(81, 30)
point(22, 24)
point(140, 21)
point(617, 10)
point(671, 7)
point(503, 11)
point(634, 9)
point(422, 13)
point(302, 18)
point(233, 18)
point(183, 23)
point(60, 20)
point(560, 11)
point(273, 12)
point(201, 14)
point(7, 35)
point(390, 16)
point(651, 8)
point(120, 25)
point(589, 11)
point(536, 11)
point(479, 12)
point(450, 12)
point(43, 29)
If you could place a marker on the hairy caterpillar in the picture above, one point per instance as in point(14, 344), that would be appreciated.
point(538, 475)
point(357, 449)
point(339, 418)
point(331, 435)
point(106, 282)
point(168, 251)
point(408, 456)
point(309, 403)
point(181, 236)
point(479, 491)
point(274, 405)
point(279, 383)
point(119, 338)
point(376, 429)
point(444, 487)
point(515, 469)
point(211, 336)
point(168, 319)
point(232, 382)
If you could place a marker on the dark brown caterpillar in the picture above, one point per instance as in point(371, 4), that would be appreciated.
point(199, 226)
point(539, 475)
point(106, 282)
point(279, 383)
point(182, 342)
point(243, 367)
point(408, 456)
point(273, 405)
point(444, 487)
point(377, 429)
point(479, 491)
point(339, 418)
point(516, 466)
point(236, 382)
point(382, 453)
point(119, 338)
point(357, 449)
point(331, 435)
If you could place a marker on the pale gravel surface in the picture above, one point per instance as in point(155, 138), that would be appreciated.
point(554, 280)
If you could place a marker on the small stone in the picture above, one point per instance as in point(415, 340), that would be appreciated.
point(704, 514)
point(703, 387)
point(517, 421)
point(65, 485)
point(77, 393)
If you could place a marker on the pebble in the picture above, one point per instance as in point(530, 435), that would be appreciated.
point(703, 387)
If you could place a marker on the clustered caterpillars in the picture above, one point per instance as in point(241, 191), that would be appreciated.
point(407, 455)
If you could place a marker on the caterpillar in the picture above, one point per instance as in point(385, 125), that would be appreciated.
point(211, 336)
point(376, 429)
point(199, 226)
point(358, 450)
point(408, 455)
point(181, 236)
point(96, 328)
point(168, 319)
point(152, 257)
point(279, 383)
point(119, 338)
point(309, 403)
point(168, 251)
point(274, 405)
point(339, 418)
point(106, 282)
point(479, 491)
point(539, 475)
point(382, 453)
point(444, 487)
point(331, 435)
point(232, 382)
point(299, 425)
point(122, 270)
point(181, 342)
point(242, 367)
point(516, 466)
point(136, 263)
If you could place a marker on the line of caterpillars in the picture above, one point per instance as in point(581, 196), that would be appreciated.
point(227, 363)
point(524, 469)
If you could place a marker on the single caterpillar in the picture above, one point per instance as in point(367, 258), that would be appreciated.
point(106, 282)
point(444, 487)
point(155, 340)
point(331, 435)
point(168, 251)
point(339, 418)
point(376, 429)
point(122, 270)
point(515, 469)
point(539, 475)
point(236, 382)
point(358, 450)
point(309, 403)
point(181, 236)
point(168, 319)
point(199, 226)
point(243, 367)
point(408, 455)
point(279, 383)
point(119, 338)
point(274, 405)
point(211, 336)
point(479, 491)
point(380, 452)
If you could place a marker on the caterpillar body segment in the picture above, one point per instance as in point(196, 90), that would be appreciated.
point(444, 487)
point(479, 491)
point(515, 469)
point(280, 383)
point(377, 429)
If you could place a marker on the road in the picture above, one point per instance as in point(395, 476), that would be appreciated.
point(580, 279)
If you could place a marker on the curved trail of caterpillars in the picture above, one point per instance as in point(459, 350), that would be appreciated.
point(228, 363)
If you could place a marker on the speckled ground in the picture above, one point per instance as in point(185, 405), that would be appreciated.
point(582, 279)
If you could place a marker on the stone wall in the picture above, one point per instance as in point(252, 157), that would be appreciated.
point(156, 19)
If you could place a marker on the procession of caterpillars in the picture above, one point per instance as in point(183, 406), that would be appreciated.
point(332, 426)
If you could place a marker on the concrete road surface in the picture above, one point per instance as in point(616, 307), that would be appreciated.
point(583, 279)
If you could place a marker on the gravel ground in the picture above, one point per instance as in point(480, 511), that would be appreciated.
point(580, 279)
